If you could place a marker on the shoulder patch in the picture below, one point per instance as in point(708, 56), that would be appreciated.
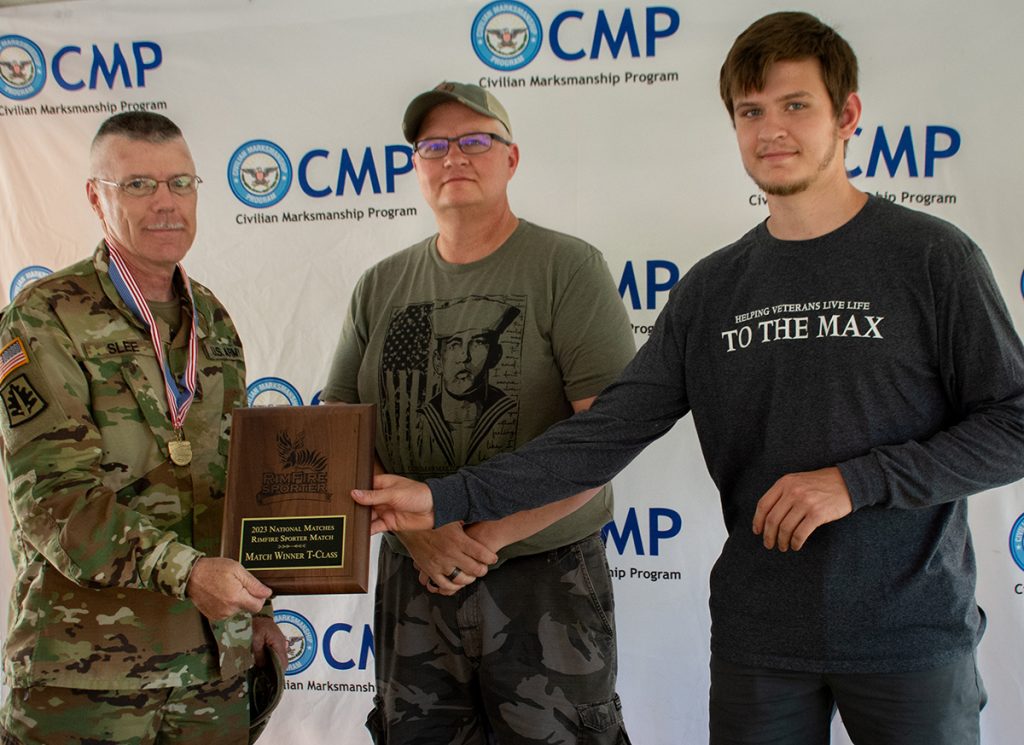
point(21, 401)
point(12, 357)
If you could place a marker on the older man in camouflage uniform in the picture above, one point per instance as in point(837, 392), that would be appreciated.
point(117, 380)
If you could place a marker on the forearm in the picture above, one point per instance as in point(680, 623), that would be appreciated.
point(575, 455)
point(982, 452)
point(585, 451)
point(977, 441)
point(78, 525)
point(496, 534)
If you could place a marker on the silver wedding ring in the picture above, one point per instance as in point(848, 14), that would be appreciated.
point(454, 573)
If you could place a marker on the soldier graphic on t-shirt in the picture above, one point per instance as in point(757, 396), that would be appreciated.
point(466, 408)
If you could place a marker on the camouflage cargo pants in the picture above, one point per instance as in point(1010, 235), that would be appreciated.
point(524, 655)
point(210, 714)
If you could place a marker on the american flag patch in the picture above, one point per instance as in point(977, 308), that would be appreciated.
point(12, 357)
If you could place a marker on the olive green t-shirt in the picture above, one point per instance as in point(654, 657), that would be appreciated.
point(465, 361)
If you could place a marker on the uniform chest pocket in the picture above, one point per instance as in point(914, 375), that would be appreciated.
point(132, 420)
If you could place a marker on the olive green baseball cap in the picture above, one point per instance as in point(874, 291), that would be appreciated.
point(469, 95)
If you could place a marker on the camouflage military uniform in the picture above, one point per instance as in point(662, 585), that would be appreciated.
point(106, 528)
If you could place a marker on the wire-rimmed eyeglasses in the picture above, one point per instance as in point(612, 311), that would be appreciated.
point(183, 184)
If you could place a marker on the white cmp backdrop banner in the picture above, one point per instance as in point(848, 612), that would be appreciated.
point(293, 112)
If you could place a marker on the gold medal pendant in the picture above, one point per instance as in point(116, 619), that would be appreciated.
point(180, 451)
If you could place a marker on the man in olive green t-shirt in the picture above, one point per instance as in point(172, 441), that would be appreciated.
point(471, 343)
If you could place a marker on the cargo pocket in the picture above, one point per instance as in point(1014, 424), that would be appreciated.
point(601, 724)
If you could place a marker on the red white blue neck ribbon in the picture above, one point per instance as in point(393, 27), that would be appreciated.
point(180, 393)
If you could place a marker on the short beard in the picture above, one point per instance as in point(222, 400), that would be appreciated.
point(788, 190)
point(783, 190)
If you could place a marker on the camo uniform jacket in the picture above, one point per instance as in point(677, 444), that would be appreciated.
point(106, 528)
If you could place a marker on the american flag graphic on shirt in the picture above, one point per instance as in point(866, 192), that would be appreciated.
point(419, 441)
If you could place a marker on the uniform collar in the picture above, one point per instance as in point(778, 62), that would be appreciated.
point(101, 262)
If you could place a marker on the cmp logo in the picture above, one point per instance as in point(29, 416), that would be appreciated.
point(22, 68)
point(506, 35)
point(270, 392)
point(1017, 542)
point(301, 640)
point(26, 275)
point(260, 173)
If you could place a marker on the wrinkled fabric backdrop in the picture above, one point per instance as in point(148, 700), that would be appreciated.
point(293, 113)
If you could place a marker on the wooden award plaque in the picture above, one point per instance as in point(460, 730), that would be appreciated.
point(289, 517)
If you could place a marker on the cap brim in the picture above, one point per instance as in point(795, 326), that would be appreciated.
point(417, 111)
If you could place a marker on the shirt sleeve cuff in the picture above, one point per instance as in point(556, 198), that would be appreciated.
point(175, 568)
point(451, 500)
point(865, 481)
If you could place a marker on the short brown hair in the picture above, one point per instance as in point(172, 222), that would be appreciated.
point(138, 125)
point(785, 36)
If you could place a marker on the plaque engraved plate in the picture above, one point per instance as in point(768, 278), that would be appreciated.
point(282, 543)
point(288, 514)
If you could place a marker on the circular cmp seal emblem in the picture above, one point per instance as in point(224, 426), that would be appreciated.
point(301, 640)
point(272, 392)
point(506, 35)
point(26, 275)
point(1017, 542)
point(22, 68)
point(260, 173)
